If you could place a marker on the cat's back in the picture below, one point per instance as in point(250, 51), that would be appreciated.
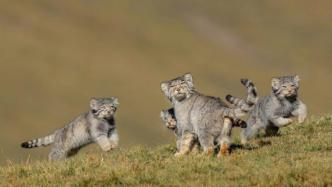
point(210, 103)
point(78, 127)
point(197, 106)
point(79, 121)
point(266, 106)
point(205, 106)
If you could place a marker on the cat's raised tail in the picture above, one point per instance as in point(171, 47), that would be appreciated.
point(251, 100)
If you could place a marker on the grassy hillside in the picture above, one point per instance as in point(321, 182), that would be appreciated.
point(301, 156)
point(55, 55)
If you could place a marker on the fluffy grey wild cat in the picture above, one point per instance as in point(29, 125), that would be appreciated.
point(198, 116)
point(274, 111)
point(97, 125)
point(169, 120)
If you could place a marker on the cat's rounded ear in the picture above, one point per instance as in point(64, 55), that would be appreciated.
point(189, 79)
point(115, 101)
point(93, 103)
point(275, 83)
point(297, 78)
point(164, 88)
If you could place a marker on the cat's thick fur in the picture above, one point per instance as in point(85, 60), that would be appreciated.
point(97, 125)
point(198, 116)
point(169, 120)
point(276, 110)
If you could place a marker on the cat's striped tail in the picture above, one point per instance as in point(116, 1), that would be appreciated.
point(252, 97)
point(239, 123)
point(233, 112)
point(44, 141)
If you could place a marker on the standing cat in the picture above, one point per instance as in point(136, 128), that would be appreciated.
point(274, 111)
point(169, 120)
point(198, 116)
point(97, 125)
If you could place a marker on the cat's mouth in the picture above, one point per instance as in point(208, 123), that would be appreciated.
point(108, 117)
point(291, 97)
point(180, 96)
point(291, 94)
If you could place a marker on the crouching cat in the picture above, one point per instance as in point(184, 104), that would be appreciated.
point(97, 125)
point(274, 111)
point(198, 116)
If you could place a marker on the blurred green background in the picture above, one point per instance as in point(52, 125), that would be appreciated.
point(55, 55)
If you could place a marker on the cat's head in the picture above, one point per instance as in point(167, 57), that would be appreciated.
point(179, 88)
point(168, 119)
point(286, 87)
point(104, 108)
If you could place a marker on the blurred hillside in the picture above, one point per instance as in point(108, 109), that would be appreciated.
point(55, 55)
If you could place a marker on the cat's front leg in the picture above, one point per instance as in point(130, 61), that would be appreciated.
point(114, 139)
point(104, 142)
point(185, 144)
point(301, 112)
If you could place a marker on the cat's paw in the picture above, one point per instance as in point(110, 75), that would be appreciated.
point(301, 119)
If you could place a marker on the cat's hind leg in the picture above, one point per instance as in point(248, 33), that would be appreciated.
point(253, 127)
point(57, 153)
point(225, 139)
point(207, 142)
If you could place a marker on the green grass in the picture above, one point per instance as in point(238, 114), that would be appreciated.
point(301, 156)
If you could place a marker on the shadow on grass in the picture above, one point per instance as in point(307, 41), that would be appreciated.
point(250, 147)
